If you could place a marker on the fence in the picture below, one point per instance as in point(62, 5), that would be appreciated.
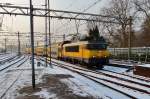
point(141, 54)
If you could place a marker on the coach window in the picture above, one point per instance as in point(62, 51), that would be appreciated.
point(72, 49)
point(96, 46)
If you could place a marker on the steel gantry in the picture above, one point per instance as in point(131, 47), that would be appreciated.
point(1, 21)
point(58, 14)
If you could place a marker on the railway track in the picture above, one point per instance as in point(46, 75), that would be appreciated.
point(108, 72)
point(11, 63)
point(122, 85)
point(7, 59)
point(6, 56)
point(127, 75)
point(113, 73)
point(3, 54)
point(116, 74)
point(9, 81)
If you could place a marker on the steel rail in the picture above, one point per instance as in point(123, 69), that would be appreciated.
point(102, 79)
point(6, 59)
point(11, 64)
point(116, 83)
point(109, 75)
point(133, 97)
point(15, 79)
point(127, 75)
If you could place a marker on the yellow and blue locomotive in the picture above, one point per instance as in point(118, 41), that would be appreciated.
point(89, 53)
point(91, 50)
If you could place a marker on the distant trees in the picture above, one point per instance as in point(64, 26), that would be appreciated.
point(143, 6)
point(122, 10)
point(144, 37)
point(94, 34)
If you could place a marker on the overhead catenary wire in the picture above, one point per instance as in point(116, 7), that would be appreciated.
point(70, 5)
point(86, 9)
point(70, 26)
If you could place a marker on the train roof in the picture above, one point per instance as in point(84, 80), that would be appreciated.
point(83, 42)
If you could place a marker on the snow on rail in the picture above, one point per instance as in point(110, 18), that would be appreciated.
point(8, 79)
point(136, 87)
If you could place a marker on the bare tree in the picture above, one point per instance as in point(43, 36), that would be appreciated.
point(145, 33)
point(143, 6)
point(122, 10)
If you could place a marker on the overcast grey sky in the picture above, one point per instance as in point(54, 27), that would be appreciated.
point(21, 23)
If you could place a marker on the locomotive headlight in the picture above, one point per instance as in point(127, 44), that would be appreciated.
point(94, 56)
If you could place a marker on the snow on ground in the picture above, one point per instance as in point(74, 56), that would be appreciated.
point(10, 63)
point(120, 81)
point(3, 56)
point(128, 63)
point(122, 62)
point(24, 79)
point(7, 78)
point(115, 69)
point(45, 94)
point(83, 86)
point(145, 65)
point(4, 72)
point(79, 85)
point(76, 85)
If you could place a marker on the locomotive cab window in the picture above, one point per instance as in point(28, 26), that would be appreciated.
point(96, 46)
point(72, 49)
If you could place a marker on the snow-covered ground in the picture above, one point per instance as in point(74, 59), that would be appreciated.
point(78, 84)
point(129, 91)
point(73, 84)
point(115, 69)
point(122, 62)
point(145, 65)
point(128, 63)
point(5, 56)
point(8, 64)
point(1, 54)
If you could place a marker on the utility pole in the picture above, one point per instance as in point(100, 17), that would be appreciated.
point(19, 44)
point(5, 44)
point(129, 37)
point(49, 24)
point(32, 43)
point(11, 47)
point(46, 33)
point(64, 37)
point(37, 43)
point(77, 27)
